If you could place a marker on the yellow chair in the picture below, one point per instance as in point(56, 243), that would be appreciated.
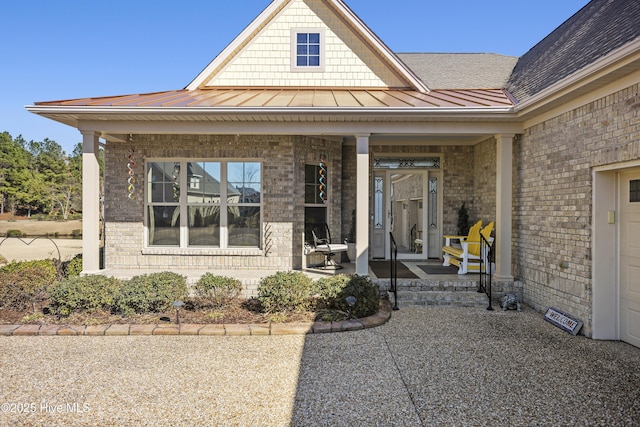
point(467, 257)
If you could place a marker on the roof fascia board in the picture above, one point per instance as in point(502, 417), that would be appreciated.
point(243, 37)
point(592, 96)
point(264, 111)
point(617, 59)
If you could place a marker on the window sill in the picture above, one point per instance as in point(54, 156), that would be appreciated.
point(203, 251)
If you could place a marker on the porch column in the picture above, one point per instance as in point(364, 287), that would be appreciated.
point(90, 203)
point(504, 205)
point(362, 205)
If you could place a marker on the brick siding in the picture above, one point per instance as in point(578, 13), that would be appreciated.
point(282, 200)
point(553, 198)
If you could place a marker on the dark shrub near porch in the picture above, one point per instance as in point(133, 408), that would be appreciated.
point(333, 292)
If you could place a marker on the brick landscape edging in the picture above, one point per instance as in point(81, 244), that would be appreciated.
point(380, 318)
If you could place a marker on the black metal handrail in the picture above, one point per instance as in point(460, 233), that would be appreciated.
point(393, 262)
point(486, 269)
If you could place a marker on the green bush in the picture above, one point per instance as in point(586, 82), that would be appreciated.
point(15, 233)
point(50, 266)
point(327, 289)
point(217, 291)
point(291, 291)
point(84, 293)
point(26, 282)
point(74, 267)
point(151, 293)
point(334, 290)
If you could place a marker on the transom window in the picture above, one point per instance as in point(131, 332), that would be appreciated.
point(219, 207)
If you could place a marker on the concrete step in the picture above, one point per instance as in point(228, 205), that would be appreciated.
point(459, 292)
point(442, 298)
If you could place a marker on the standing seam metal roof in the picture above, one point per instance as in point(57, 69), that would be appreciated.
point(302, 97)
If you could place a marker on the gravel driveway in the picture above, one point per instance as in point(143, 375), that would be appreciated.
point(426, 366)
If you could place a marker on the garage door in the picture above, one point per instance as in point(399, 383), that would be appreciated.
point(630, 257)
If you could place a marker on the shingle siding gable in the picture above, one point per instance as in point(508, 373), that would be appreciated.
point(266, 60)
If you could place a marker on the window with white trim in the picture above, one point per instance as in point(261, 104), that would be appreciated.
point(307, 49)
point(221, 207)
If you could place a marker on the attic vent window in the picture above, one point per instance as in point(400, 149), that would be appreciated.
point(307, 50)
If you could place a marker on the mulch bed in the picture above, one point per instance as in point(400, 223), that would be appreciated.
point(240, 312)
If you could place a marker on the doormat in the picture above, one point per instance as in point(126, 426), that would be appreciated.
point(382, 270)
point(439, 269)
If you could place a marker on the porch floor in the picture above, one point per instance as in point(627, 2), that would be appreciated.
point(254, 276)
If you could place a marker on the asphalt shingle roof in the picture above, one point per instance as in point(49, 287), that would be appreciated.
point(594, 31)
point(460, 70)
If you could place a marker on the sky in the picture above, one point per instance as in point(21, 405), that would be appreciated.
point(66, 49)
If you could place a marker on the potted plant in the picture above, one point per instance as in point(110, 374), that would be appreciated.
point(463, 221)
point(351, 238)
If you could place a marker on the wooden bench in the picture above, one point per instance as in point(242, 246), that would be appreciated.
point(468, 255)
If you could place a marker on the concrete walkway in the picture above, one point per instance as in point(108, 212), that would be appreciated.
point(426, 366)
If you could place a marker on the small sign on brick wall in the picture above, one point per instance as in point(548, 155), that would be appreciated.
point(562, 320)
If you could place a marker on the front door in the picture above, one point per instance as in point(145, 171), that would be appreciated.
point(630, 257)
point(407, 201)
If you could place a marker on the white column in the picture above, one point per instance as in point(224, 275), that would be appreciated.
point(504, 206)
point(90, 203)
point(362, 205)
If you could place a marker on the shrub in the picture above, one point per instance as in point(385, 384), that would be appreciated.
point(15, 233)
point(217, 290)
point(291, 291)
point(328, 288)
point(84, 293)
point(333, 292)
point(151, 293)
point(49, 265)
point(74, 267)
point(26, 282)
